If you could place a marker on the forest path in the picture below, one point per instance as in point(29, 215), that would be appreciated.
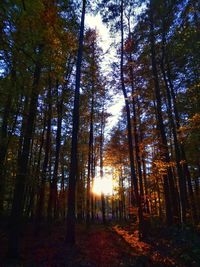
point(97, 246)
point(114, 246)
point(102, 247)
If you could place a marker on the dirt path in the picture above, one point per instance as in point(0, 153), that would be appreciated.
point(97, 246)
point(102, 248)
point(105, 247)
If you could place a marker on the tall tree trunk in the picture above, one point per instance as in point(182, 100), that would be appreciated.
point(143, 161)
point(4, 140)
point(135, 130)
point(103, 203)
point(63, 191)
point(53, 198)
point(169, 190)
point(90, 157)
point(181, 177)
point(70, 235)
point(41, 199)
point(22, 170)
point(136, 138)
point(3, 150)
point(36, 172)
point(181, 147)
point(134, 180)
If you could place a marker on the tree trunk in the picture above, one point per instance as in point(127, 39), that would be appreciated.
point(181, 177)
point(53, 198)
point(182, 150)
point(41, 199)
point(3, 150)
point(136, 139)
point(134, 180)
point(4, 141)
point(169, 191)
point(103, 203)
point(70, 235)
point(90, 150)
point(22, 170)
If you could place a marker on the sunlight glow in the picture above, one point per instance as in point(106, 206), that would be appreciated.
point(104, 186)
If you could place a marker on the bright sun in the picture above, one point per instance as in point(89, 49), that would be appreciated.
point(104, 186)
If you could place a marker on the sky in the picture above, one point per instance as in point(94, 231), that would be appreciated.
point(105, 41)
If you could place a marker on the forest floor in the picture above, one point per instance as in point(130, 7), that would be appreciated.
point(103, 246)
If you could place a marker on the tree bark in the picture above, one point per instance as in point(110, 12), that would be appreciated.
point(103, 203)
point(169, 190)
point(183, 158)
point(90, 150)
point(41, 199)
point(181, 177)
point(4, 140)
point(22, 170)
point(70, 235)
point(134, 180)
point(53, 198)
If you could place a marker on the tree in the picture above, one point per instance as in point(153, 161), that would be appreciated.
point(70, 236)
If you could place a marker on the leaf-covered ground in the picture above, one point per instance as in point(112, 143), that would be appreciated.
point(163, 246)
point(99, 246)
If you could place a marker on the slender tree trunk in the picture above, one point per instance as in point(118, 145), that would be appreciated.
point(93, 199)
point(3, 150)
point(169, 191)
point(70, 235)
point(134, 180)
point(22, 170)
point(137, 152)
point(41, 200)
point(182, 150)
point(181, 177)
point(90, 150)
point(53, 198)
point(80, 197)
point(63, 191)
point(103, 203)
point(29, 187)
point(143, 163)
point(37, 170)
point(197, 180)
point(4, 141)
